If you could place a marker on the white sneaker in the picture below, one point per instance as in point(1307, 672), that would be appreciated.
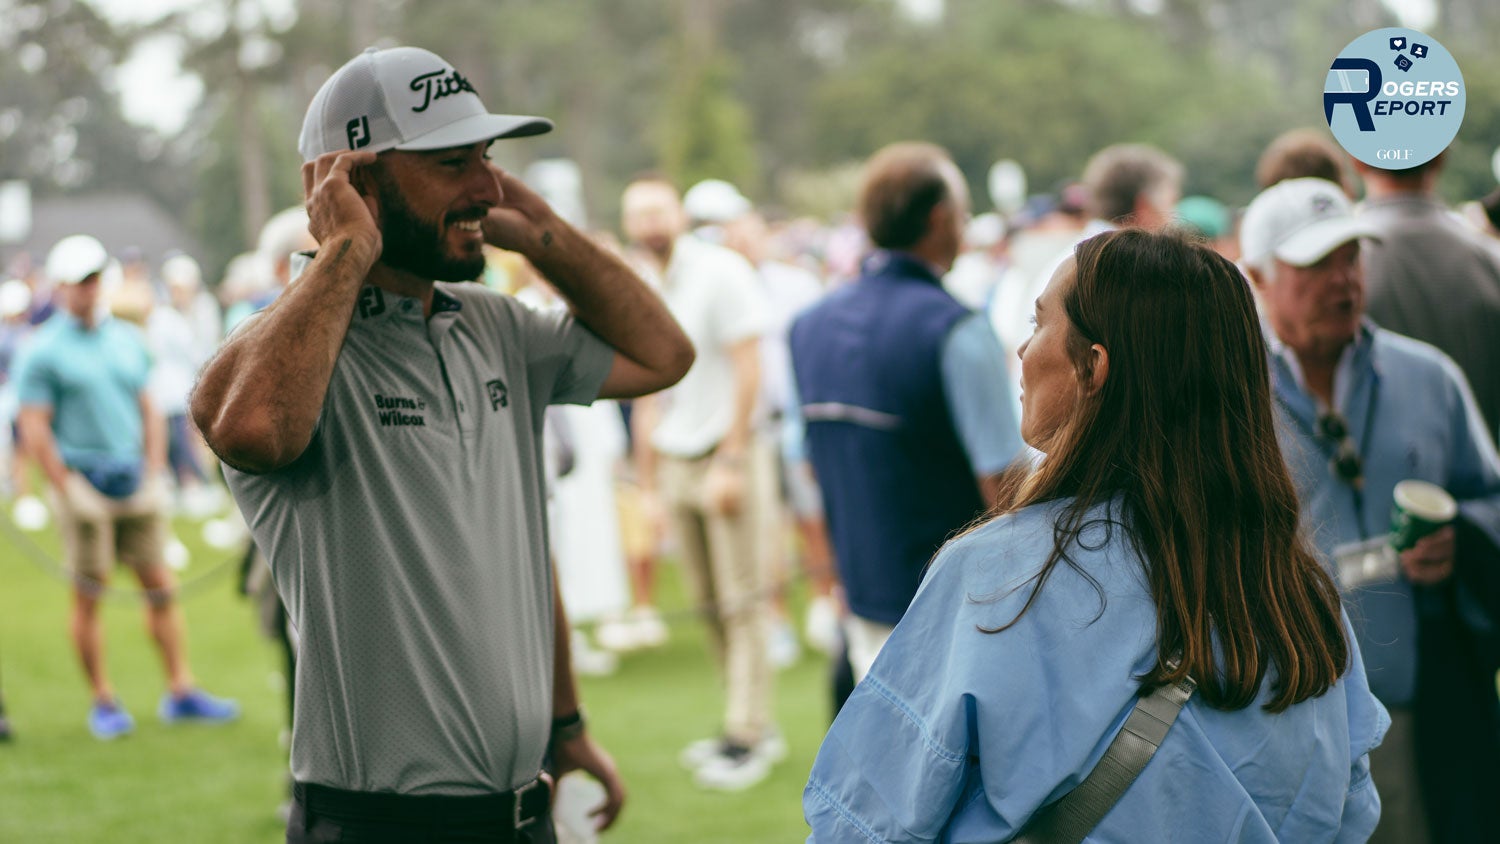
point(588, 660)
point(821, 626)
point(733, 769)
point(650, 630)
point(772, 748)
point(618, 635)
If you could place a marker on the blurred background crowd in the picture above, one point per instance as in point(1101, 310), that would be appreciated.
point(168, 131)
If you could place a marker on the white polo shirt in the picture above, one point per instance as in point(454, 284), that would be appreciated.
point(409, 544)
point(715, 296)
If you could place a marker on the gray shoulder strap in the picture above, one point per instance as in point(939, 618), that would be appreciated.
point(1073, 816)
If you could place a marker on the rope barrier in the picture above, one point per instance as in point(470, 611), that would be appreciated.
point(50, 565)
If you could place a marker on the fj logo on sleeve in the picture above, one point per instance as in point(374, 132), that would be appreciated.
point(498, 396)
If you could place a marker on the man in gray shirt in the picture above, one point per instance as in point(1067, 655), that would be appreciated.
point(384, 433)
point(1433, 277)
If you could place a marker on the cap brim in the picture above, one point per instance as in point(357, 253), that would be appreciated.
point(479, 128)
point(1312, 244)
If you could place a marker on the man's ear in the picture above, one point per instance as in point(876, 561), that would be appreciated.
point(1255, 274)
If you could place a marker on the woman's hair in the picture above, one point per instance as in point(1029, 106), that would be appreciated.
point(1181, 434)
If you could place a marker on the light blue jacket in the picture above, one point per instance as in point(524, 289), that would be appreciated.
point(1410, 411)
point(961, 736)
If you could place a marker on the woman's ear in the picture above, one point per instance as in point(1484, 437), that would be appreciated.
point(1098, 371)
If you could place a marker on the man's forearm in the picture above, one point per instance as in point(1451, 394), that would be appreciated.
point(257, 402)
point(564, 687)
point(609, 298)
point(153, 438)
point(36, 435)
point(746, 361)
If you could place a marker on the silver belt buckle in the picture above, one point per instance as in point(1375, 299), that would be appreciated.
point(517, 822)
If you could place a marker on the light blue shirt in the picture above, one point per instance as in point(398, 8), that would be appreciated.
point(91, 380)
point(961, 736)
point(976, 386)
point(1412, 416)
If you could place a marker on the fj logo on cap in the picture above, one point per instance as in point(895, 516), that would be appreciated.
point(435, 86)
point(1322, 205)
point(359, 132)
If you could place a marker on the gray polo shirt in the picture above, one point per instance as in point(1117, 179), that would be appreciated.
point(409, 544)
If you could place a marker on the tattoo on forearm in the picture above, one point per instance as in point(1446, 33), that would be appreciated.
point(546, 238)
point(343, 250)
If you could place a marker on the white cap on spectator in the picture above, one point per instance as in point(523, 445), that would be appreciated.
point(75, 258)
point(1299, 221)
point(715, 201)
point(181, 270)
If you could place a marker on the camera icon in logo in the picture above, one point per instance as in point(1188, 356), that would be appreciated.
point(1403, 62)
point(1398, 43)
point(1419, 51)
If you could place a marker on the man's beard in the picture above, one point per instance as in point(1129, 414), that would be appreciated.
point(416, 246)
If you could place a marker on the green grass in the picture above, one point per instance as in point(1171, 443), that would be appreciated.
point(222, 784)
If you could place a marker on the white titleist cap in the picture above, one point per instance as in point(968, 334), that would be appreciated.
point(75, 258)
point(1299, 221)
point(403, 98)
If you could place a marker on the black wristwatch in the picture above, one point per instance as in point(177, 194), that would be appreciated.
point(568, 727)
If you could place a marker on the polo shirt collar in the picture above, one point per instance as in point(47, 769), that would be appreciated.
point(1354, 359)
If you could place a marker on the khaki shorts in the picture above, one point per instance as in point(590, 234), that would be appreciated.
point(97, 530)
point(636, 539)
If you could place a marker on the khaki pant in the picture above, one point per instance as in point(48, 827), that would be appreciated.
point(725, 566)
point(97, 530)
point(864, 638)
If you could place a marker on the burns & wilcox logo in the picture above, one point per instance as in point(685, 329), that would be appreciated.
point(1394, 98)
point(400, 412)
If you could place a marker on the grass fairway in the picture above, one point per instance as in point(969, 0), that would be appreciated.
point(222, 784)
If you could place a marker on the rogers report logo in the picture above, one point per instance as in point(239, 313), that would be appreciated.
point(1394, 98)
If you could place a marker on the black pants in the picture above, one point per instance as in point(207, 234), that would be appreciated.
point(322, 815)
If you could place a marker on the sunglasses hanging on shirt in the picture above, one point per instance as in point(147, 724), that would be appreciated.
point(1346, 463)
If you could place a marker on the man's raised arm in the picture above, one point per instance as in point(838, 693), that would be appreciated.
point(258, 400)
point(651, 350)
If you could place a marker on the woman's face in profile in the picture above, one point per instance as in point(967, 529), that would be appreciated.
point(1049, 380)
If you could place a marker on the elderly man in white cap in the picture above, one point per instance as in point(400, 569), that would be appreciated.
point(87, 419)
point(382, 426)
point(1363, 409)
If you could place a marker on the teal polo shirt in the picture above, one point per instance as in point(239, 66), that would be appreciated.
point(91, 379)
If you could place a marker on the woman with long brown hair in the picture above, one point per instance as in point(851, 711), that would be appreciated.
point(1154, 546)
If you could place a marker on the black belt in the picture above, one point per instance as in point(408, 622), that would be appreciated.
point(515, 810)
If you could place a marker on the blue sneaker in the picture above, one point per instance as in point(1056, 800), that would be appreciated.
point(197, 705)
point(109, 721)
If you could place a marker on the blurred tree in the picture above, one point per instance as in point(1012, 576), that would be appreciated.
point(61, 128)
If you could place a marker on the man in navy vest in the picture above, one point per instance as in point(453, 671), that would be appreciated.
point(905, 395)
